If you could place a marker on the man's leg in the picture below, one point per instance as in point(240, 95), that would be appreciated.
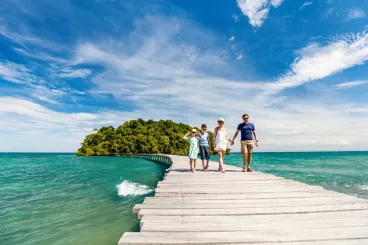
point(250, 153)
point(249, 160)
point(244, 160)
point(244, 151)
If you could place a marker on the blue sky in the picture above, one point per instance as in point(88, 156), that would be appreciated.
point(299, 68)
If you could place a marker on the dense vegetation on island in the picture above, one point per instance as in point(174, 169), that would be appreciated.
point(139, 136)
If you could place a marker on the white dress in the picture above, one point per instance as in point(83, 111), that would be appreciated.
point(221, 140)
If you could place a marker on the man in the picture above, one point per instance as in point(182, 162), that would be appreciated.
point(247, 130)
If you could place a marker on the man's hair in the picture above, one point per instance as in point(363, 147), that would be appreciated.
point(245, 115)
point(204, 126)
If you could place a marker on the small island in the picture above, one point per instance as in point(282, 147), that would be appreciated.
point(140, 136)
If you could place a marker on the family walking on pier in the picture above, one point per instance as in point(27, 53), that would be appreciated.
point(200, 143)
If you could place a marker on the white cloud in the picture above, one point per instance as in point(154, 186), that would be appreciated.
point(232, 38)
point(257, 10)
point(239, 57)
point(78, 73)
point(317, 62)
point(306, 4)
point(355, 13)
point(16, 73)
point(347, 85)
point(236, 17)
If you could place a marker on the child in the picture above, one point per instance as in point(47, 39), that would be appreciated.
point(204, 147)
point(193, 148)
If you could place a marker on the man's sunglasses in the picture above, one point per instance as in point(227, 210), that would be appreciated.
point(193, 132)
point(245, 118)
point(204, 129)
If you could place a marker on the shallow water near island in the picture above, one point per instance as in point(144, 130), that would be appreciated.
point(65, 199)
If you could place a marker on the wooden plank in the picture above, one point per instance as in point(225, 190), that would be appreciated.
point(270, 195)
point(252, 219)
point(280, 236)
point(262, 201)
point(256, 226)
point(253, 211)
point(302, 203)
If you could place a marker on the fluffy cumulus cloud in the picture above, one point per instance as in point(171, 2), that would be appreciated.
point(257, 10)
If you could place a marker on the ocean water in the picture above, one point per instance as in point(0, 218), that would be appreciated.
point(64, 199)
point(345, 172)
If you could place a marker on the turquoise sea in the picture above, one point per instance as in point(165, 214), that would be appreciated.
point(64, 199)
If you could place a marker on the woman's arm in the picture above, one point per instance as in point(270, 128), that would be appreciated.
point(214, 136)
point(227, 137)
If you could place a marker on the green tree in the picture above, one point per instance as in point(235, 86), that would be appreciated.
point(139, 136)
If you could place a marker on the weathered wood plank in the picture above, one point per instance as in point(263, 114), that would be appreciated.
point(262, 201)
point(256, 219)
point(255, 237)
point(253, 211)
point(256, 226)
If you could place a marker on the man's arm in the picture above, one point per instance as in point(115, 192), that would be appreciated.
point(255, 137)
point(235, 135)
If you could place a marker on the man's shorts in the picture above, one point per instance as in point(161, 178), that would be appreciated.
point(205, 152)
point(246, 146)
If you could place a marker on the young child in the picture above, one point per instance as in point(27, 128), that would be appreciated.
point(193, 148)
point(204, 146)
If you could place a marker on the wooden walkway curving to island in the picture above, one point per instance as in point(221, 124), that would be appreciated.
point(245, 208)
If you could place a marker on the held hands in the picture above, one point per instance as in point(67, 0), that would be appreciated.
point(256, 144)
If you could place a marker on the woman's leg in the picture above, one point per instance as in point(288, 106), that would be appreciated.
point(194, 164)
point(221, 160)
point(191, 164)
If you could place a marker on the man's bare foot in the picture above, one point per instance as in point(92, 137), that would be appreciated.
point(243, 170)
point(222, 170)
point(250, 170)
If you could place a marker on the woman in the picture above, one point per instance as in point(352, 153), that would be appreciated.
point(193, 148)
point(204, 146)
point(221, 138)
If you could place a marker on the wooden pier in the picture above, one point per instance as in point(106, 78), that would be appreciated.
point(245, 208)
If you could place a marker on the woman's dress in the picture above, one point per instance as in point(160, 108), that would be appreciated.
point(221, 140)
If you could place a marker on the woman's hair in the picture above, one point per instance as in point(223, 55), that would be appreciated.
point(204, 126)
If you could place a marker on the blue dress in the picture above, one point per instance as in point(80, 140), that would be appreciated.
point(193, 147)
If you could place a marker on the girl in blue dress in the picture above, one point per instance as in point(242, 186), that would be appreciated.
point(193, 148)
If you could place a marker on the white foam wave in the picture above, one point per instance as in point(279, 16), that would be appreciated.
point(364, 187)
point(127, 188)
